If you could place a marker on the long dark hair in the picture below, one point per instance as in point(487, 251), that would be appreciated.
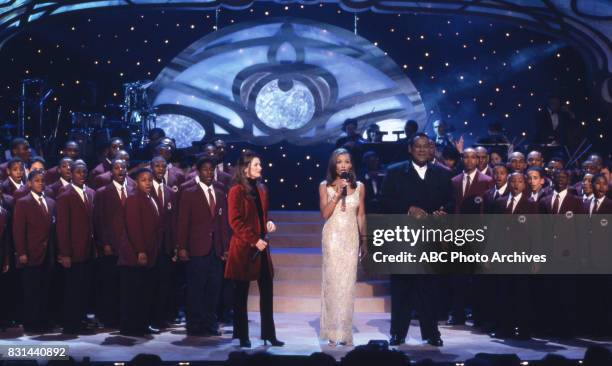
point(331, 168)
point(244, 161)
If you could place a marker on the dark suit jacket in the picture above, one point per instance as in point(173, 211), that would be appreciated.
point(8, 187)
point(144, 229)
point(109, 218)
point(55, 189)
point(33, 230)
point(169, 216)
point(473, 201)
point(198, 230)
point(75, 225)
point(25, 190)
point(246, 231)
point(604, 209)
point(544, 128)
point(403, 188)
point(106, 178)
point(570, 203)
point(176, 177)
point(52, 175)
point(489, 199)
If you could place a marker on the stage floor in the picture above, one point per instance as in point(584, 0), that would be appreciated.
point(300, 332)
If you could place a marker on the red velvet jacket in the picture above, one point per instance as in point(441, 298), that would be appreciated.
point(32, 229)
point(246, 231)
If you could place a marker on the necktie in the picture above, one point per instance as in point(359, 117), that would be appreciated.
point(555, 207)
point(592, 207)
point(467, 185)
point(496, 194)
point(510, 206)
point(160, 194)
point(85, 197)
point(211, 202)
point(42, 204)
point(154, 205)
point(123, 197)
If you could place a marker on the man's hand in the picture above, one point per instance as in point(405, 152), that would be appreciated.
point(66, 262)
point(261, 245)
point(5, 268)
point(270, 227)
point(225, 256)
point(142, 259)
point(183, 255)
point(416, 212)
point(439, 212)
point(23, 259)
point(108, 250)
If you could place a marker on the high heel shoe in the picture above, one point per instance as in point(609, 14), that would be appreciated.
point(273, 342)
point(245, 343)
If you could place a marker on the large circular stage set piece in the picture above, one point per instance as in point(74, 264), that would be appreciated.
point(284, 79)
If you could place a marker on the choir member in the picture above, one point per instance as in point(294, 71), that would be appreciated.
point(601, 204)
point(15, 174)
point(221, 155)
point(65, 177)
point(430, 193)
point(470, 186)
point(38, 163)
point(164, 308)
point(372, 180)
point(500, 189)
point(249, 256)
point(535, 159)
point(110, 233)
point(76, 248)
point(33, 223)
point(586, 192)
point(138, 256)
point(71, 150)
point(105, 178)
point(20, 148)
point(535, 184)
point(516, 162)
point(483, 161)
point(203, 242)
point(8, 276)
point(174, 176)
point(114, 145)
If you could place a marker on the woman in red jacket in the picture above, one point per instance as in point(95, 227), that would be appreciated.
point(249, 256)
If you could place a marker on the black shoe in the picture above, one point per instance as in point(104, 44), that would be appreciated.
point(151, 330)
point(452, 320)
point(436, 342)
point(396, 341)
point(245, 343)
point(273, 342)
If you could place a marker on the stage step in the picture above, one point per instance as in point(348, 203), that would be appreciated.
point(304, 227)
point(310, 240)
point(295, 216)
point(292, 304)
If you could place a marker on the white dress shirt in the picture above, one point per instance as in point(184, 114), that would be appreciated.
point(206, 192)
point(64, 182)
point(500, 192)
point(595, 204)
point(517, 198)
point(79, 191)
point(37, 199)
point(119, 186)
point(465, 175)
point(421, 170)
point(561, 195)
point(17, 185)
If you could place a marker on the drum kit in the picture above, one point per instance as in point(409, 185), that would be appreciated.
point(131, 120)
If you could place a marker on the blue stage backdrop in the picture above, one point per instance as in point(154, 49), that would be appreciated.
point(281, 78)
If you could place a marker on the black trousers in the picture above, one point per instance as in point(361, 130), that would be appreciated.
point(107, 291)
point(164, 302)
point(241, 320)
point(226, 298)
point(408, 293)
point(204, 278)
point(136, 295)
point(35, 281)
point(12, 298)
point(77, 290)
point(513, 303)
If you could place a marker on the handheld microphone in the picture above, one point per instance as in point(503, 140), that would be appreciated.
point(257, 251)
point(345, 176)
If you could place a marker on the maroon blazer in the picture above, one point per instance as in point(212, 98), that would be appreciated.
point(144, 229)
point(7, 187)
point(570, 203)
point(169, 213)
point(33, 229)
point(224, 179)
point(103, 167)
point(4, 240)
point(75, 225)
point(489, 200)
point(545, 191)
point(604, 209)
point(198, 230)
point(25, 190)
point(52, 175)
point(176, 177)
point(246, 231)
point(56, 189)
point(473, 201)
point(524, 206)
point(106, 178)
point(109, 218)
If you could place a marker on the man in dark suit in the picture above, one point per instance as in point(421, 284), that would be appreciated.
point(210, 150)
point(483, 161)
point(553, 123)
point(65, 177)
point(114, 145)
point(203, 240)
point(33, 223)
point(15, 173)
point(500, 189)
point(164, 309)
point(110, 232)
point(512, 295)
point(71, 150)
point(138, 256)
point(76, 248)
point(20, 148)
point(417, 188)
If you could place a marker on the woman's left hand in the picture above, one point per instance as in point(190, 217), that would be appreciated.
point(270, 227)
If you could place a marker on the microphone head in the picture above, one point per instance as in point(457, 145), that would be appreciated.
point(344, 175)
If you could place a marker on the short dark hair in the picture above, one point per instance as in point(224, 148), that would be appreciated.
point(535, 169)
point(14, 161)
point(599, 175)
point(417, 136)
point(39, 159)
point(34, 173)
point(141, 171)
point(79, 163)
point(499, 165)
point(204, 160)
point(349, 121)
point(159, 131)
point(18, 141)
